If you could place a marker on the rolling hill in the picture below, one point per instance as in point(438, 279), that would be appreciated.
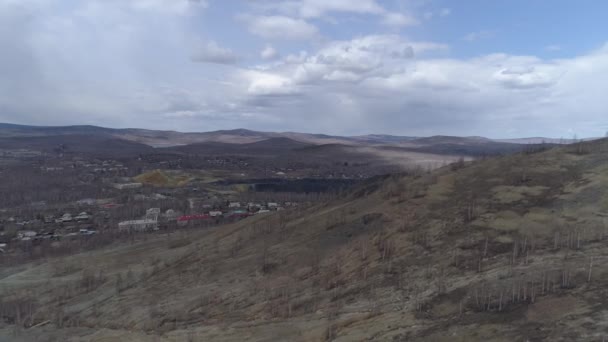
point(510, 248)
point(272, 146)
point(289, 150)
point(163, 138)
point(91, 144)
point(158, 138)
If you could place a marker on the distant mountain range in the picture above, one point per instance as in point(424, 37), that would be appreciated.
point(161, 138)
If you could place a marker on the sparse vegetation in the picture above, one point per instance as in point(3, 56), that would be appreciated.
point(487, 243)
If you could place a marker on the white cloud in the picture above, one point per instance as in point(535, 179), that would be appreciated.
point(281, 27)
point(344, 62)
point(267, 84)
point(112, 63)
point(553, 47)
point(353, 60)
point(314, 9)
point(399, 20)
point(296, 58)
point(211, 52)
point(269, 53)
point(484, 95)
point(525, 77)
point(171, 6)
point(319, 8)
point(445, 12)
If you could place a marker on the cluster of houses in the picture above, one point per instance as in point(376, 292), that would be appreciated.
point(96, 166)
point(92, 166)
point(212, 214)
point(31, 235)
point(19, 153)
point(67, 217)
point(53, 227)
point(232, 210)
point(208, 212)
point(205, 205)
point(49, 227)
point(103, 166)
point(49, 219)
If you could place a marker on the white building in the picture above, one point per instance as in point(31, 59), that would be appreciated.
point(253, 205)
point(126, 186)
point(215, 213)
point(83, 216)
point(138, 225)
point(26, 234)
point(234, 205)
point(149, 222)
point(171, 215)
point(152, 213)
point(67, 217)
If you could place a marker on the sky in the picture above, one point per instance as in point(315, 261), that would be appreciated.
point(500, 69)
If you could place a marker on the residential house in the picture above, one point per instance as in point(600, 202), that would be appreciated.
point(152, 214)
point(67, 217)
point(25, 235)
point(254, 206)
point(83, 216)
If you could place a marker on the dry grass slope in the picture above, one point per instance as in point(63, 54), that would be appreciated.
point(505, 249)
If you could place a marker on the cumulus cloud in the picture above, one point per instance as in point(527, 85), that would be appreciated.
point(269, 53)
point(483, 94)
point(318, 8)
point(399, 20)
point(266, 83)
point(281, 27)
point(211, 52)
point(314, 9)
point(171, 6)
point(524, 77)
point(347, 61)
point(118, 64)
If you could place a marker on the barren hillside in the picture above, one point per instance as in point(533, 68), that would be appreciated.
point(504, 249)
